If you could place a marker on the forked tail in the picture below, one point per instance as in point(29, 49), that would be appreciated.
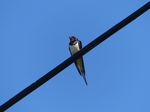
point(85, 79)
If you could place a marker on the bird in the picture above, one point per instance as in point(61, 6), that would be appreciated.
point(75, 45)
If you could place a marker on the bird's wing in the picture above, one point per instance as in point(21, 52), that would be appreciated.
point(80, 44)
point(80, 66)
point(70, 51)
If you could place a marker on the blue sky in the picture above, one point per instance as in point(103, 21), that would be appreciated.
point(34, 39)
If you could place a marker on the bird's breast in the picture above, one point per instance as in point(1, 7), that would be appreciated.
point(74, 48)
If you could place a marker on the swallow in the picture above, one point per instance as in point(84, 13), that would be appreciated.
point(75, 45)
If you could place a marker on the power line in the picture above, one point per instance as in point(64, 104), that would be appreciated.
point(71, 59)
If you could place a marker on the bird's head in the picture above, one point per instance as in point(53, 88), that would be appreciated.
point(72, 38)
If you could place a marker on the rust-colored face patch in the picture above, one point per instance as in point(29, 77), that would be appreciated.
point(71, 39)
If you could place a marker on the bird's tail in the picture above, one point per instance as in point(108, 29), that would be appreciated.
point(85, 79)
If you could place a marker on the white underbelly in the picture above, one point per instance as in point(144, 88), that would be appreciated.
point(74, 48)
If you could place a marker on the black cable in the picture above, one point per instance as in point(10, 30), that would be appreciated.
point(70, 60)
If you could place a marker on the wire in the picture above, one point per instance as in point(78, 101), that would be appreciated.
point(71, 59)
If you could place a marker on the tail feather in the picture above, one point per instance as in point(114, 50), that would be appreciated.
point(85, 79)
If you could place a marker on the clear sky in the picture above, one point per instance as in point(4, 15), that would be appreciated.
point(34, 37)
